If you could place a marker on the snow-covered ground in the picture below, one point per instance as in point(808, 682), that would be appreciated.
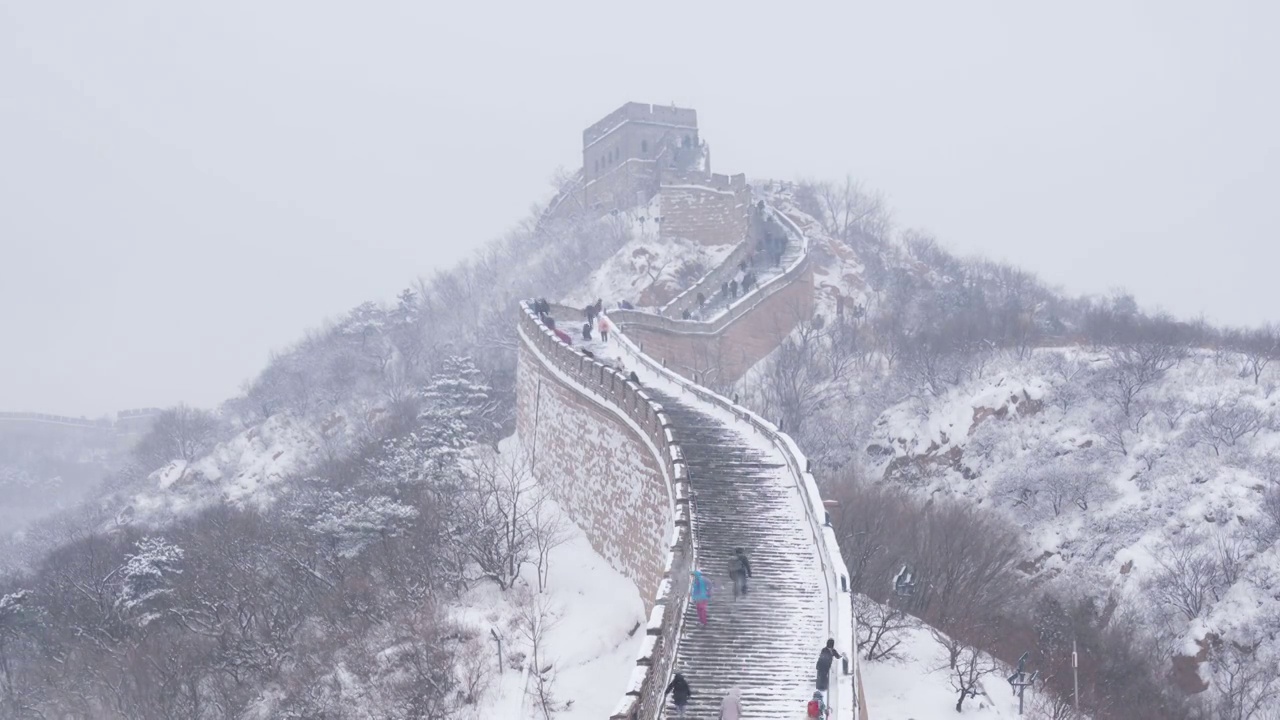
point(594, 624)
point(917, 686)
point(647, 271)
point(242, 470)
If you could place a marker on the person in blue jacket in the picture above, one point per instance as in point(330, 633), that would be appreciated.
point(700, 594)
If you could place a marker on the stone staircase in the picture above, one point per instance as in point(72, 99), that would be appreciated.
point(767, 642)
point(765, 271)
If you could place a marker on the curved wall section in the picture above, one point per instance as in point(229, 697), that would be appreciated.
point(720, 351)
point(605, 450)
point(600, 471)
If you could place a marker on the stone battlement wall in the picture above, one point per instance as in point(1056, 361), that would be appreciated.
point(706, 208)
point(640, 112)
point(718, 353)
point(606, 452)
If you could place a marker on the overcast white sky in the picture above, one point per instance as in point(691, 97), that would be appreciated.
point(185, 186)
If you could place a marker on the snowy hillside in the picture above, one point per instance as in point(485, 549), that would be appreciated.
point(1136, 453)
point(1169, 508)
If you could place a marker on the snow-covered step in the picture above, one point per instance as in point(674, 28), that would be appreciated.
point(765, 643)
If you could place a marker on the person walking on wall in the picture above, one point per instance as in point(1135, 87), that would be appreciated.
point(731, 707)
point(817, 708)
point(739, 571)
point(679, 691)
point(603, 325)
point(700, 594)
point(825, 657)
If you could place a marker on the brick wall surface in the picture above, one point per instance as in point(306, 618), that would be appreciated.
point(705, 215)
point(724, 357)
point(600, 471)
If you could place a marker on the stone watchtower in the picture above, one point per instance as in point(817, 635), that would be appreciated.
point(625, 155)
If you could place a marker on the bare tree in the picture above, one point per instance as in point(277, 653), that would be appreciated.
point(1259, 347)
point(1185, 576)
point(497, 516)
point(882, 628)
point(179, 433)
point(1136, 367)
point(1244, 687)
point(1231, 552)
point(853, 214)
point(549, 530)
point(1052, 706)
point(1226, 421)
point(1065, 370)
point(535, 619)
point(1115, 430)
point(966, 668)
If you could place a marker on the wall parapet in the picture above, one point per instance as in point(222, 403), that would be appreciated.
point(611, 389)
point(734, 311)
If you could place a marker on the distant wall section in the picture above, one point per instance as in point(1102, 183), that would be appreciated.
point(706, 208)
point(719, 353)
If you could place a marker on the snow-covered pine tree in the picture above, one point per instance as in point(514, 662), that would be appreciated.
point(147, 579)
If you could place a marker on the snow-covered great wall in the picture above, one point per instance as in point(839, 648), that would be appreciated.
point(614, 459)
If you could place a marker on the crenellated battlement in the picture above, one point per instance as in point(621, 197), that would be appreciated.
point(685, 118)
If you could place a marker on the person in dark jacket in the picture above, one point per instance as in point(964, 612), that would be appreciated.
point(739, 571)
point(702, 299)
point(679, 691)
point(733, 288)
point(590, 312)
point(825, 657)
point(586, 331)
point(633, 378)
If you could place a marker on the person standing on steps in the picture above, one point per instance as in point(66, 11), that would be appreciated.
point(817, 707)
point(825, 657)
point(603, 326)
point(700, 594)
point(679, 692)
point(739, 571)
point(731, 707)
